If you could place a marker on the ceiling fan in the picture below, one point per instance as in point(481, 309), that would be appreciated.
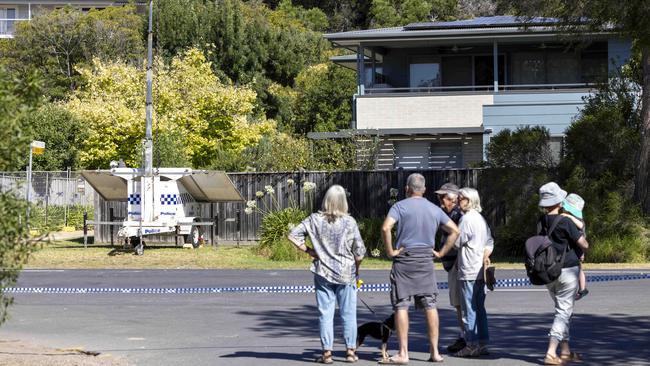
point(455, 48)
point(544, 46)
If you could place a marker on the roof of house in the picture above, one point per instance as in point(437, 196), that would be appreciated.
point(494, 27)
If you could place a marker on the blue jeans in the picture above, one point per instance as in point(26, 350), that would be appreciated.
point(327, 294)
point(474, 315)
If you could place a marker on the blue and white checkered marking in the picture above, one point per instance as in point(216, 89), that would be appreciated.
point(369, 287)
point(134, 199)
point(168, 199)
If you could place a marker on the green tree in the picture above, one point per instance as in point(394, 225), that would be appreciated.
point(606, 135)
point(245, 42)
point(192, 106)
point(631, 19)
point(17, 97)
point(322, 100)
point(64, 136)
point(522, 148)
point(391, 13)
point(53, 43)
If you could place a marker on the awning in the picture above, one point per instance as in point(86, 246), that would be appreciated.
point(211, 186)
point(110, 187)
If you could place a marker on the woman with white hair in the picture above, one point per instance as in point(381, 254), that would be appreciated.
point(474, 244)
point(337, 252)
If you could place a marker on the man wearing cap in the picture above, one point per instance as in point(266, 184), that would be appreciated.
point(412, 275)
point(448, 196)
point(565, 237)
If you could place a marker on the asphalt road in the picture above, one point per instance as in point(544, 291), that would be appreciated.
point(611, 326)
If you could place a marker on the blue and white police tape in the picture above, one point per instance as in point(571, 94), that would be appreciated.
point(368, 287)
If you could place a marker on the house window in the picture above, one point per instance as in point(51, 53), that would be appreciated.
point(484, 70)
point(594, 67)
point(7, 18)
point(424, 72)
point(457, 71)
point(528, 68)
point(562, 68)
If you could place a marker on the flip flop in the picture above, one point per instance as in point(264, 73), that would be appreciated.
point(390, 361)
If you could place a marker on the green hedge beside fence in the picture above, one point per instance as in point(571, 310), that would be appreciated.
point(53, 218)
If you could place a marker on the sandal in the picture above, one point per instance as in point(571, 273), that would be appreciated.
point(351, 357)
point(326, 359)
point(571, 357)
point(553, 360)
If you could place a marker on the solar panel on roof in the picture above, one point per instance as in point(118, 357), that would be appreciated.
point(482, 22)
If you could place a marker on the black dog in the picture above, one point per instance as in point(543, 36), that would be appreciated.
point(377, 330)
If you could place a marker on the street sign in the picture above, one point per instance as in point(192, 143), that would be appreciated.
point(38, 147)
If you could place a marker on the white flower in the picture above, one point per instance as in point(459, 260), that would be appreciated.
point(308, 186)
point(375, 253)
point(251, 204)
point(259, 194)
point(394, 192)
point(290, 182)
point(248, 210)
point(269, 189)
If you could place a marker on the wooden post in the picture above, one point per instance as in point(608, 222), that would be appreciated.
point(110, 226)
point(85, 229)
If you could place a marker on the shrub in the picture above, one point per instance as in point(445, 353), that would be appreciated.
point(370, 229)
point(510, 194)
point(275, 228)
point(618, 249)
point(56, 217)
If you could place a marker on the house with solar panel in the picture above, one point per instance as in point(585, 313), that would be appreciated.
point(435, 92)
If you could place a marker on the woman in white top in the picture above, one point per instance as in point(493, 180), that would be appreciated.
point(475, 244)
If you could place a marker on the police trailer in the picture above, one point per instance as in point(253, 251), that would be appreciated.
point(160, 200)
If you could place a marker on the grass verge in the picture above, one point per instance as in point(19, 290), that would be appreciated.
point(72, 255)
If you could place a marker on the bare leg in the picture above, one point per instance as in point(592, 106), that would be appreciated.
point(432, 326)
point(402, 328)
point(564, 348)
point(552, 347)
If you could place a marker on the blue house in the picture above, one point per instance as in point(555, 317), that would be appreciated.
point(436, 92)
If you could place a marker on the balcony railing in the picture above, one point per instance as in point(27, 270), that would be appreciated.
point(477, 88)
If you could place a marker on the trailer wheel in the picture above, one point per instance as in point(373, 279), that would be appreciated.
point(194, 237)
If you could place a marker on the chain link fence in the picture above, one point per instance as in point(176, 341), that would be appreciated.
point(58, 198)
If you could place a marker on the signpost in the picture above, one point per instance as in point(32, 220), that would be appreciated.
point(35, 148)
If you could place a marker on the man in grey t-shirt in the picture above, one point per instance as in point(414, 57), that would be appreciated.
point(412, 274)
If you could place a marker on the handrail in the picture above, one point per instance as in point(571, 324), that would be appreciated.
point(479, 88)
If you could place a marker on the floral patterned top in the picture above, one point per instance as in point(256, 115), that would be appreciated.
point(337, 244)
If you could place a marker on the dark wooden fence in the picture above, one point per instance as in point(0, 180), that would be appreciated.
point(369, 193)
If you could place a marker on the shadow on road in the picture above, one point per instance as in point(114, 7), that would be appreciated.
point(601, 339)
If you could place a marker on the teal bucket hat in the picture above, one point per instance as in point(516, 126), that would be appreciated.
point(573, 204)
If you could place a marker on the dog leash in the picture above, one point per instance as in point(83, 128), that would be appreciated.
point(359, 284)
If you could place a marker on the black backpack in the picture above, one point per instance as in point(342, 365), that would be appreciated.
point(543, 262)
